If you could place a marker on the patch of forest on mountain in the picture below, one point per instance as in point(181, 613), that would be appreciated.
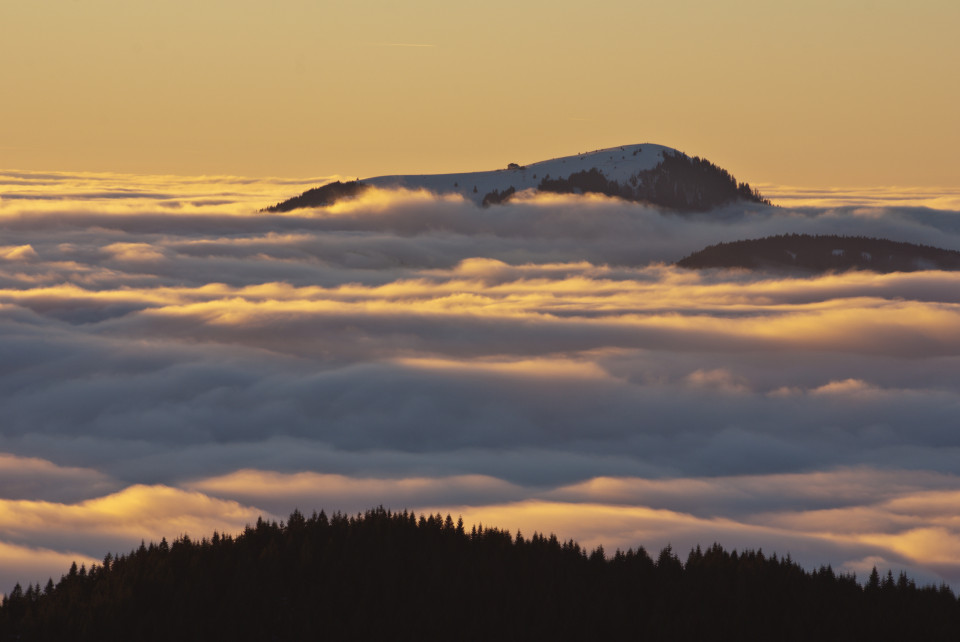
point(496, 197)
point(396, 576)
point(823, 253)
point(679, 182)
point(321, 196)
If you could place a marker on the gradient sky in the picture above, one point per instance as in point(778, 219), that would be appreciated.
point(812, 93)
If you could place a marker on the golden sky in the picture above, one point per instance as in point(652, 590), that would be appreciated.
point(812, 93)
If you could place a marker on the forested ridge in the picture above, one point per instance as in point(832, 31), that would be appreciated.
point(822, 253)
point(396, 575)
point(679, 182)
point(321, 196)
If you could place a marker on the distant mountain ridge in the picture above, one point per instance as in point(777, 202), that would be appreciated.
point(823, 253)
point(645, 173)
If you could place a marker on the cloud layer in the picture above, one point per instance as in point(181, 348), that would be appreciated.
point(174, 361)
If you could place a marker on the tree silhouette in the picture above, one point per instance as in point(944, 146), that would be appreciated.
point(397, 575)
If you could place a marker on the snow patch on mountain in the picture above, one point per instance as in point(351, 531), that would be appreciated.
point(616, 163)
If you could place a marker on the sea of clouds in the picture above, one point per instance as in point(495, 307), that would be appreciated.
point(174, 361)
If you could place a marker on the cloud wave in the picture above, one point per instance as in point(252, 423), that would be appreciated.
point(174, 360)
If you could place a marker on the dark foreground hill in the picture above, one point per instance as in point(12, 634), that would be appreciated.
point(394, 576)
point(823, 253)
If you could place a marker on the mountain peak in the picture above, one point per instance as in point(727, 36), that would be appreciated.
point(647, 172)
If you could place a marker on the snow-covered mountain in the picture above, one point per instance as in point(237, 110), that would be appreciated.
point(646, 173)
point(616, 163)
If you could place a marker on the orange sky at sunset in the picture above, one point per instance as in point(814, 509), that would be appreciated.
point(810, 93)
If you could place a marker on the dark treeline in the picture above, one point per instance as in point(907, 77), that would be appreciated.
point(397, 576)
point(321, 196)
point(678, 182)
point(497, 197)
point(823, 253)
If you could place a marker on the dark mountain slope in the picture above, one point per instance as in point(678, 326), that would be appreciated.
point(807, 253)
point(393, 576)
point(678, 182)
point(320, 196)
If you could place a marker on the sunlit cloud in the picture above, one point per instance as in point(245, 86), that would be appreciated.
point(845, 387)
point(175, 360)
point(17, 253)
point(119, 521)
point(33, 565)
point(133, 252)
point(33, 478)
point(263, 488)
point(620, 527)
point(718, 379)
point(376, 200)
point(943, 198)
